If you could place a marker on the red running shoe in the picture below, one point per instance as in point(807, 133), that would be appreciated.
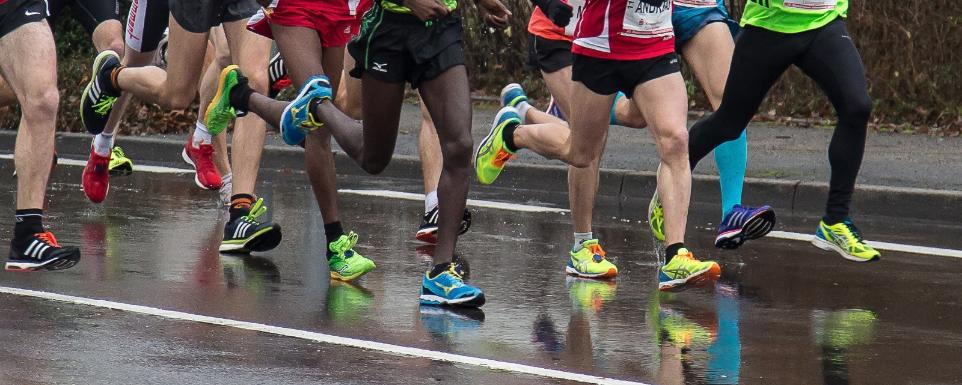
point(202, 158)
point(96, 177)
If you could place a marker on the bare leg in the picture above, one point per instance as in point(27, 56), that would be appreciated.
point(429, 150)
point(109, 35)
point(348, 97)
point(208, 87)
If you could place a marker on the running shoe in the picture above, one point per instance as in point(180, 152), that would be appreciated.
point(492, 154)
point(553, 109)
point(96, 177)
point(347, 302)
point(220, 112)
point(589, 261)
point(277, 75)
point(99, 96)
point(120, 164)
point(590, 294)
point(744, 223)
point(512, 95)
point(845, 239)
point(345, 263)
point(428, 231)
point(843, 329)
point(446, 322)
point(448, 288)
point(42, 252)
point(684, 269)
point(201, 158)
point(246, 234)
point(656, 217)
point(298, 119)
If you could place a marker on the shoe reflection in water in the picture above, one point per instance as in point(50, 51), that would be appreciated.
point(250, 271)
point(347, 302)
point(837, 332)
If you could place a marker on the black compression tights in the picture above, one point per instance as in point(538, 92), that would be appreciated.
point(828, 56)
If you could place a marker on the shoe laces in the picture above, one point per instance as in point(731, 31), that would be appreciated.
point(502, 157)
point(599, 253)
point(48, 238)
point(343, 243)
point(206, 158)
point(455, 270)
point(311, 123)
point(118, 152)
point(257, 210)
point(103, 106)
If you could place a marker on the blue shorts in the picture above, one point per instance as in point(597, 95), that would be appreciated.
point(688, 21)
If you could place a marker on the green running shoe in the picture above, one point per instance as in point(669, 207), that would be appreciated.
point(684, 269)
point(220, 112)
point(346, 264)
point(845, 239)
point(589, 261)
point(492, 154)
point(656, 217)
point(120, 164)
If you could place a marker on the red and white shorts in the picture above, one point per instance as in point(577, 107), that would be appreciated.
point(336, 21)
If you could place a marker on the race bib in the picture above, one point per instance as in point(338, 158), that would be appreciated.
point(577, 7)
point(696, 3)
point(811, 5)
point(646, 21)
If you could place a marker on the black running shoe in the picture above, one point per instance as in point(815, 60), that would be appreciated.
point(277, 76)
point(246, 234)
point(42, 252)
point(428, 231)
point(99, 96)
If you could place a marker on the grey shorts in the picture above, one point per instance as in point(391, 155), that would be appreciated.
point(199, 16)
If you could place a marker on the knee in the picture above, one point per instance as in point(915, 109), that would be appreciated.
point(457, 152)
point(376, 165)
point(580, 160)
point(257, 79)
point(179, 101)
point(674, 144)
point(116, 45)
point(857, 111)
point(41, 103)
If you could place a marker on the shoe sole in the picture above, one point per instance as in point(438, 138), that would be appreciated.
point(183, 154)
point(98, 62)
point(263, 240)
point(611, 273)
point(828, 246)
point(759, 225)
point(477, 153)
point(219, 96)
point(62, 263)
point(427, 236)
point(699, 277)
point(349, 278)
point(433, 300)
point(123, 170)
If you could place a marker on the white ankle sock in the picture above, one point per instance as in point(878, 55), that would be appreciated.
point(201, 136)
point(523, 108)
point(581, 237)
point(430, 201)
point(103, 143)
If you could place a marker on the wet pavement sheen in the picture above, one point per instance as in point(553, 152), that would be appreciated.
point(783, 312)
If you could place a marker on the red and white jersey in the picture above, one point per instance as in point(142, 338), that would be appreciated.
point(624, 30)
point(539, 24)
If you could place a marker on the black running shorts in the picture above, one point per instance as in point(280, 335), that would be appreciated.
point(89, 13)
point(146, 23)
point(547, 55)
point(606, 77)
point(199, 16)
point(16, 13)
point(394, 47)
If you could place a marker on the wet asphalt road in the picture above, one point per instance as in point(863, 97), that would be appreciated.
point(783, 312)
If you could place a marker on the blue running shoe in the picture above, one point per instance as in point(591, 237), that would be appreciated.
point(512, 94)
point(744, 223)
point(613, 120)
point(297, 118)
point(448, 288)
point(553, 109)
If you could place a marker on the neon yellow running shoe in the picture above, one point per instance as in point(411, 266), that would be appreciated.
point(120, 164)
point(845, 239)
point(346, 264)
point(220, 112)
point(843, 329)
point(656, 217)
point(589, 261)
point(684, 269)
point(347, 302)
point(492, 154)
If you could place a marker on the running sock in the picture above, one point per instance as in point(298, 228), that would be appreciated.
point(103, 142)
point(508, 135)
point(832, 220)
point(29, 222)
point(332, 231)
point(240, 95)
point(438, 269)
point(111, 80)
point(731, 158)
point(581, 237)
point(672, 250)
point(523, 108)
point(240, 205)
point(430, 201)
point(201, 135)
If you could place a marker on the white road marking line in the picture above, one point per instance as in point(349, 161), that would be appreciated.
point(322, 338)
point(924, 250)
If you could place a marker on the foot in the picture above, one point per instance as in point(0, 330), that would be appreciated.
point(345, 263)
point(277, 76)
point(845, 239)
point(684, 269)
point(96, 177)
point(589, 261)
point(246, 234)
point(448, 288)
point(42, 252)
point(512, 95)
point(656, 218)
point(428, 232)
point(220, 112)
point(120, 164)
point(298, 118)
point(744, 223)
point(201, 158)
point(99, 96)
point(492, 154)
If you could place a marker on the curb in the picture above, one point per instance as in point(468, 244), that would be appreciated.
point(632, 189)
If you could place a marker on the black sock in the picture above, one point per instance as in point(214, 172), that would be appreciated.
point(240, 205)
point(29, 222)
point(508, 135)
point(240, 95)
point(672, 250)
point(833, 219)
point(332, 231)
point(439, 268)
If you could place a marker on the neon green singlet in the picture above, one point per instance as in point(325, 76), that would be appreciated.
point(792, 16)
point(392, 7)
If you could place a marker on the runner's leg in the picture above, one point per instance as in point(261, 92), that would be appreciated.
point(429, 150)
